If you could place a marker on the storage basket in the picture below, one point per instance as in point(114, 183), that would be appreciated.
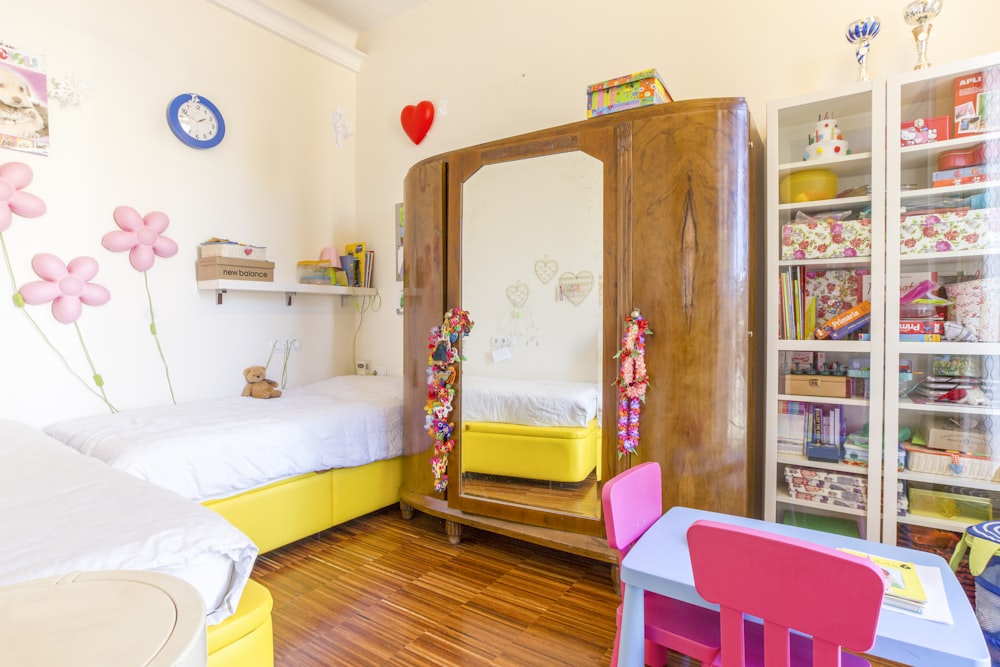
point(938, 462)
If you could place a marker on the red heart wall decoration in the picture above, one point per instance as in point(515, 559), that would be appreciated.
point(416, 120)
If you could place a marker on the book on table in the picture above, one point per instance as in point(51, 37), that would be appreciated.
point(904, 590)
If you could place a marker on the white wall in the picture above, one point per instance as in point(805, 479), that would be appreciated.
point(277, 179)
point(506, 68)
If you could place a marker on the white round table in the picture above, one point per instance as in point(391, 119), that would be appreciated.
point(97, 619)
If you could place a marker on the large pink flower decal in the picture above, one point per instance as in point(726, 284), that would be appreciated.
point(68, 287)
point(141, 236)
point(13, 177)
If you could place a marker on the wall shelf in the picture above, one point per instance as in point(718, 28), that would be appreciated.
point(288, 289)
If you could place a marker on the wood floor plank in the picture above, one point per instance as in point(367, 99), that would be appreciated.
point(381, 590)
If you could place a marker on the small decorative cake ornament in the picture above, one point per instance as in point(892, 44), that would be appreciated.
point(826, 141)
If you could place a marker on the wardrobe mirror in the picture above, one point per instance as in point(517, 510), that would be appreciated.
point(531, 258)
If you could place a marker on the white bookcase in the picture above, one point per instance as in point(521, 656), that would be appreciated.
point(916, 492)
point(944, 492)
point(827, 502)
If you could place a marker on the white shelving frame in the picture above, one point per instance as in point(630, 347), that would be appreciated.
point(221, 287)
point(925, 94)
point(860, 112)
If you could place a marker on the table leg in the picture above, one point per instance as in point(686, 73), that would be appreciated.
point(631, 648)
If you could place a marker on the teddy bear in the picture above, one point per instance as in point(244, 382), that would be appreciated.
point(259, 386)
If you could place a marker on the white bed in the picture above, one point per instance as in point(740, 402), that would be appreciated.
point(61, 512)
point(529, 402)
point(217, 448)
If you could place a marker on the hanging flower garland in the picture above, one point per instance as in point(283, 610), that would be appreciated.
point(632, 381)
point(442, 356)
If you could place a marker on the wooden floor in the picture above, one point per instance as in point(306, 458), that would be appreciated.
point(381, 590)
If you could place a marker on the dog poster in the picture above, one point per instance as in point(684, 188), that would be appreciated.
point(24, 110)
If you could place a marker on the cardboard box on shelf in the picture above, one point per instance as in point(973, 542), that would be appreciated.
point(229, 268)
point(638, 89)
point(958, 433)
point(821, 239)
point(833, 386)
point(924, 130)
point(975, 229)
point(973, 94)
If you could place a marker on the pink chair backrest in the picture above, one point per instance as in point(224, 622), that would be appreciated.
point(789, 583)
point(632, 501)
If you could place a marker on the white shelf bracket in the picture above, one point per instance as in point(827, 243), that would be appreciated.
point(218, 296)
point(288, 298)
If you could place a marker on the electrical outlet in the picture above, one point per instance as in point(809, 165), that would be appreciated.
point(364, 368)
point(379, 370)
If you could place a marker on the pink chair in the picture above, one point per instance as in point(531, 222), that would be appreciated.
point(632, 501)
point(790, 584)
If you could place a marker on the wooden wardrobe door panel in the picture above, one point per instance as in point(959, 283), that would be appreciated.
point(424, 280)
point(690, 245)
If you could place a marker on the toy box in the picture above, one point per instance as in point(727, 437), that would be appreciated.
point(975, 229)
point(228, 268)
point(976, 98)
point(976, 305)
point(821, 239)
point(924, 130)
point(626, 92)
point(314, 272)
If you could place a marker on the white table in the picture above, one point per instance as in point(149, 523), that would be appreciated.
point(660, 562)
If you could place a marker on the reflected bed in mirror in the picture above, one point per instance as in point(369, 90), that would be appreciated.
point(532, 252)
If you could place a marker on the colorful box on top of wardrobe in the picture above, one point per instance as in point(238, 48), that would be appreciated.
point(638, 89)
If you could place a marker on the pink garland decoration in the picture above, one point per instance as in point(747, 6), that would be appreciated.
point(441, 360)
point(632, 381)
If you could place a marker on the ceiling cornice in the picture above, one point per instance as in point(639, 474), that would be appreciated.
point(281, 23)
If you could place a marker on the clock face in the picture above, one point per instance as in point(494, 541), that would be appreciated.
point(196, 121)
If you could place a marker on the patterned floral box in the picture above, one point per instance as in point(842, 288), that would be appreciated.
point(835, 291)
point(975, 229)
point(821, 239)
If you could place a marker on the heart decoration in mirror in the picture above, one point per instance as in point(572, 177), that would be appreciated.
point(417, 119)
point(517, 294)
point(546, 269)
point(576, 286)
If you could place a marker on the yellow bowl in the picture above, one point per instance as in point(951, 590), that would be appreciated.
point(808, 185)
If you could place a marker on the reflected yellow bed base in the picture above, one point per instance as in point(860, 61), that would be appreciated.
point(554, 453)
point(279, 514)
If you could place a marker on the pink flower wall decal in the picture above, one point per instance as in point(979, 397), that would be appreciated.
point(13, 177)
point(141, 236)
point(67, 287)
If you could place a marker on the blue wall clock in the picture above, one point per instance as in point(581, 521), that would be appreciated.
point(196, 121)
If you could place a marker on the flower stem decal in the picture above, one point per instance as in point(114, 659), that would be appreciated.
point(441, 360)
point(142, 237)
point(68, 288)
point(632, 381)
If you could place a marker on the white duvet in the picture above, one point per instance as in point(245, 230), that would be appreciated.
point(61, 512)
point(528, 402)
point(216, 448)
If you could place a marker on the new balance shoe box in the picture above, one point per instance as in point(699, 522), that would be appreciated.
point(230, 268)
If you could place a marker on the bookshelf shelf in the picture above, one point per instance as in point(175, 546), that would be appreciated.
point(221, 287)
point(903, 407)
point(911, 406)
point(831, 284)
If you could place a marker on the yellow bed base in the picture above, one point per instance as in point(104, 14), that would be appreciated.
point(554, 453)
point(279, 514)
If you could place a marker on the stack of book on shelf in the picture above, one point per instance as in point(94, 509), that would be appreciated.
point(792, 427)
point(826, 487)
point(821, 303)
point(904, 588)
point(360, 265)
